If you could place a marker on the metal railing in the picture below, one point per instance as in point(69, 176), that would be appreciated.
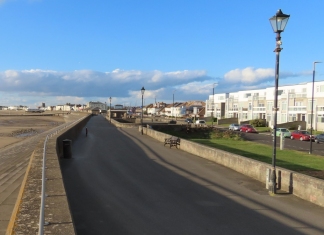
point(42, 221)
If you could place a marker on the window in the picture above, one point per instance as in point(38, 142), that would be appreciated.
point(292, 118)
point(246, 95)
point(283, 105)
point(320, 118)
point(320, 88)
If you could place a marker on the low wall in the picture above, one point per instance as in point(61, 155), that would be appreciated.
point(25, 219)
point(306, 187)
point(227, 121)
point(70, 134)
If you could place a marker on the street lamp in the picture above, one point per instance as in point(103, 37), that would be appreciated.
point(110, 109)
point(173, 106)
point(312, 113)
point(278, 23)
point(213, 104)
point(142, 91)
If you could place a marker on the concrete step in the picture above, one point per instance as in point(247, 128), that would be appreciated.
point(10, 185)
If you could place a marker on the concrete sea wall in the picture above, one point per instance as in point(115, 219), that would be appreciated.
point(306, 187)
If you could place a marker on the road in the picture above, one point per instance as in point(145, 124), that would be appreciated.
point(122, 182)
point(303, 146)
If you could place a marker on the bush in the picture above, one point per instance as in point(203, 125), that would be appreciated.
point(258, 123)
point(228, 134)
point(293, 127)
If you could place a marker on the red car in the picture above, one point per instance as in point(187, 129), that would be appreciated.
point(247, 128)
point(301, 135)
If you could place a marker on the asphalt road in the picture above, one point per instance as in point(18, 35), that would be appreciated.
point(122, 182)
point(303, 146)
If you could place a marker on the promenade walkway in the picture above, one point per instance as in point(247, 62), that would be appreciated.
point(122, 182)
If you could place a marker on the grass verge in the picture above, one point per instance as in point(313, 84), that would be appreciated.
point(289, 159)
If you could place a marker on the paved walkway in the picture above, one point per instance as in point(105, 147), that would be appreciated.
point(122, 182)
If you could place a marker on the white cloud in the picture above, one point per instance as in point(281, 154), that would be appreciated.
point(249, 75)
point(124, 85)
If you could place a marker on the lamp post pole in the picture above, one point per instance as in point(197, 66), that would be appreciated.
point(173, 106)
point(278, 23)
point(213, 105)
point(142, 91)
point(312, 113)
point(110, 109)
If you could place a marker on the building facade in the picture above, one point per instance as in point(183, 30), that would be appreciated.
point(294, 104)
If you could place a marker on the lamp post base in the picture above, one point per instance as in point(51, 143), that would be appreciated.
point(272, 183)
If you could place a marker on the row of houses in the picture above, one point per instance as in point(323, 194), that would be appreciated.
point(294, 104)
point(177, 109)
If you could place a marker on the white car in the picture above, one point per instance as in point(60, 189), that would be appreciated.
point(201, 122)
point(234, 127)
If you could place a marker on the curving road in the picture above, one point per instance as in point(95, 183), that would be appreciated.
point(122, 182)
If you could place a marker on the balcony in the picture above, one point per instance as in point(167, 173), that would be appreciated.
point(233, 110)
point(297, 108)
point(259, 109)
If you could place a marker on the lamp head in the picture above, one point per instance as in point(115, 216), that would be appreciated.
point(142, 90)
point(279, 21)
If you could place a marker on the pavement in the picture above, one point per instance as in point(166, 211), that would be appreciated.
point(122, 182)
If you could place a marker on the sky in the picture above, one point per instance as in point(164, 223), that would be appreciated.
point(58, 51)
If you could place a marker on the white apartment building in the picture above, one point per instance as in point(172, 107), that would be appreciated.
point(294, 104)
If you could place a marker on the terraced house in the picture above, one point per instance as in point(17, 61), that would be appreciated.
point(294, 104)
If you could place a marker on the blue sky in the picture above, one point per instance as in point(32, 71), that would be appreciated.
point(57, 51)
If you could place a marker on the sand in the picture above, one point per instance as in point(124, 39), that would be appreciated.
point(17, 126)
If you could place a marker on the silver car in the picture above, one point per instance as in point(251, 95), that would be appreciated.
point(234, 127)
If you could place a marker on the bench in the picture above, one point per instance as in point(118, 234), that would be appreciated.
point(172, 141)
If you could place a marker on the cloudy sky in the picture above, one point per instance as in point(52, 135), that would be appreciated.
point(78, 51)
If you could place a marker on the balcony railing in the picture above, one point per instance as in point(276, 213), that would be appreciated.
point(259, 109)
point(297, 108)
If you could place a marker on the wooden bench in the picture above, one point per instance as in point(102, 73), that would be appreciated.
point(172, 141)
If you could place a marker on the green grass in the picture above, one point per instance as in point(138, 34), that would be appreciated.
point(289, 159)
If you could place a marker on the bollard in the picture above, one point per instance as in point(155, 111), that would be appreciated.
point(67, 151)
point(282, 141)
point(268, 172)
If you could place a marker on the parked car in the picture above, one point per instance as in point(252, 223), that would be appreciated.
point(301, 135)
point(319, 138)
point(248, 128)
point(234, 127)
point(201, 122)
point(188, 120)
point(286, 133)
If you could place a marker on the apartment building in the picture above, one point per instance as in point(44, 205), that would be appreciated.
point(294, 104)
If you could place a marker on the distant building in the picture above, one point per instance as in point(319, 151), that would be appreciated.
point(119, 106)
point(97, 104)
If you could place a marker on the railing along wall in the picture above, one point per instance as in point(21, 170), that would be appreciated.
point(42, 221)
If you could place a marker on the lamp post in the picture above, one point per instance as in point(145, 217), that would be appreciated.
point(278, 23)
point(173, 105)
point(213, 104)
point(312, 113)
point(110, 109)
point(142, 91)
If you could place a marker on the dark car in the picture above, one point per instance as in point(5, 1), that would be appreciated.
point(248, 128)
point(188, 120)
point(319, 138)
point(301, 135)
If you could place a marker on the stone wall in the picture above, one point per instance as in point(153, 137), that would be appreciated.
point(306, 187)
